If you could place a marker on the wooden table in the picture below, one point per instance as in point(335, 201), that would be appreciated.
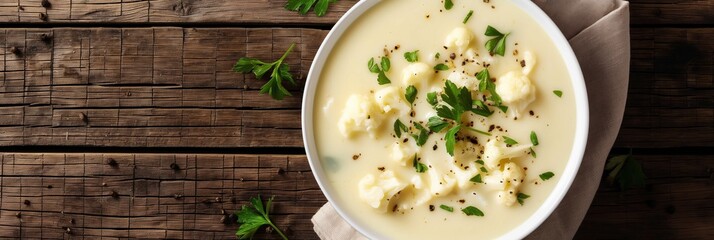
point(147, 84)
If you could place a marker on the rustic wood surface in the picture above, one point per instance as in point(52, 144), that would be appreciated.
point(147, 83)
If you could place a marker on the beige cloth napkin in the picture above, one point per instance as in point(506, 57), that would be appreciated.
point(599, 33)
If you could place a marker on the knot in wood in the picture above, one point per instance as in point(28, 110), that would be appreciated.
point(27, 202)
point(71, 221)
point(178, 196)
point(16, 51)
point(175, 166)
point(68, 230)
point(46, 38)
point(46, 4)
point(43, 17)
point(49, 186)
point(115, 194)
point(83, 118)
point(219, 200)
point(18, 215)
point(182, 7)
point(112, 162)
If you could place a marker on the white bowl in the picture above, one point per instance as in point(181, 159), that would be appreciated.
point(581, 114)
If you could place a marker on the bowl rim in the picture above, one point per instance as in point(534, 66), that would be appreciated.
point(581, 116)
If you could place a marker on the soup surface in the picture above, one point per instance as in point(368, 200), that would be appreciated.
point(437, 123)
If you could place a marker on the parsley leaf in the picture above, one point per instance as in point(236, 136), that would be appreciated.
point(472, 211)
point(410, 94)
point(481, 109)
point(558, 93)
point(533, 153)
point(303, 6)
point(483, 169)
point(478, 131)
point(448, 4)
point(437, 55)
point(480, 162)
point(252, 217)
point(382, 78)
point(281, 72)
point(412, 56)
point(626, 171)
point(399, 127)
point(441, 67)
point(546, 175)
point(422, 136)
point(485, 84)
point(431, 98)
point(446, 208)
point(468, 16)
point(420, 167)
point(509, 141)
point(451, 139)
point(436, 124)
point(476, 179)
point(522, 196)
point(534, 138)
point(496, 45)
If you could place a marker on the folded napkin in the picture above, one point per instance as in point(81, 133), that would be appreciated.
point(599, 33)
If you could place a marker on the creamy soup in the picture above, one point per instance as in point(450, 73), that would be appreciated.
point(443, 124)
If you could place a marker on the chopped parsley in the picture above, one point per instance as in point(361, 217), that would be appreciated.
point(431, 98)
point(546, 175)
point(436, 124)
point(476, 179)
point(533, 153)
point(412, 56)
point(558, 93)
point(385, 64)
point(472, 211)
point(446, 208)
point(451, 139)
point(478, 131)
point(419, 167)
point(441, 67)
point(480, 162)
point(437, 55)
point(509, 141)
point(485, 84)
point(468, 16)
point(483, 170)
point(399, 127)
point(534, 138)
point(448, 4)
point(497, 44)
point(522, 196)
point(410, 94)
point(422, 136)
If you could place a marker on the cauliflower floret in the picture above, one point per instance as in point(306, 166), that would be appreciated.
point(361, 114)
point(416, 73)
point(496, 149)
point(463, 175)
point(378, 192)
point(513, 174)
point(516, 88)
point(402, 152)
point(459, 39)
point(440, 185)
point(415, 194)
point(463, 80)
point(507, 197)
point(390, 98)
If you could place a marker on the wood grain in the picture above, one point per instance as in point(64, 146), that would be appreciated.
point(75, 191)
point(676, 204)
point(647, 12)
point(173, 87)
point(147, 87)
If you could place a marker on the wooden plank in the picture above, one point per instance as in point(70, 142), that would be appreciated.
point(147, 87)
point(75, 191)
point(173, 87)
point(678, 202)
point(647, 12)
